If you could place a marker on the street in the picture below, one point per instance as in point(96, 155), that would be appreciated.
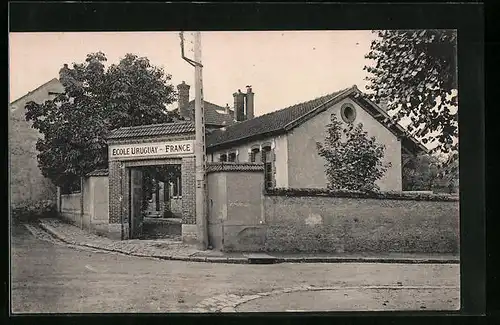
point(49, 277)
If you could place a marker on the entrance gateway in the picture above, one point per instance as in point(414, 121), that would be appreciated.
point(134, 148)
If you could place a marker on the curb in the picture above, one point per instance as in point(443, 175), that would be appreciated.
point(366, 260)
point(245, 260)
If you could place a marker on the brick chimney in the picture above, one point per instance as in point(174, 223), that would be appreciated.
point(64, 75)
point(183, 93)
point(249, 103)
point(227, 109)
point(239, 106)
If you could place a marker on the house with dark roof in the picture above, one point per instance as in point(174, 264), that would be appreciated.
point(27, 184)
point(285, 139)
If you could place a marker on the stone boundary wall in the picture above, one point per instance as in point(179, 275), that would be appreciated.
point(320, 220)
point(341, 224)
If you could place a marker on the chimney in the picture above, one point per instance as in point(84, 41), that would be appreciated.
point(249, 103)
point(64, 75)
point(183, 93)
point(239, 106)
point(227, 110)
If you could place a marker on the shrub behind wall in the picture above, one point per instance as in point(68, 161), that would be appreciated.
point(31, 212)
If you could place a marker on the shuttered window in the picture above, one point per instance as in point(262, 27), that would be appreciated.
point(268, 161)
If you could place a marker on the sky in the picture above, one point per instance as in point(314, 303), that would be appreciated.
point(283, 68)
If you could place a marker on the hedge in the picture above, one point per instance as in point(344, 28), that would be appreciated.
point(387, 195)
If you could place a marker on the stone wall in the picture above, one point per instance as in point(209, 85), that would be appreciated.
point(70, 208)
point(244, 218)
point(95, 205)
point(342, 224)
point(235, 206)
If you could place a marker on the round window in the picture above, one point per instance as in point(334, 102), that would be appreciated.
point(348, 113)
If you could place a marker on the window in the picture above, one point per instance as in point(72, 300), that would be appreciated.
point(223, 157)
point(348, 113)
point(254, 155)
point(232, 157)
point(268, 167)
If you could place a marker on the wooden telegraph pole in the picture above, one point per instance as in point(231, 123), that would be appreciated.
point(200, 153)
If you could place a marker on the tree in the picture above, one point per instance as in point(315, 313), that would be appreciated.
point(352, 163)
point(427, 173)
point(74, 126)
point(420, 172)
point(415, 75)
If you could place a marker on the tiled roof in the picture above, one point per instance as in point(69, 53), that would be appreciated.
point(268, 123)
point(212, 116)
point(99, 172)
point(153, 130)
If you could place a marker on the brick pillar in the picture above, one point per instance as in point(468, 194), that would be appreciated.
point(188, 179)
point(118, 210)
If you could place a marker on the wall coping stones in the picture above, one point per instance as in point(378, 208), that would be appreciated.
point(98, 172)
point(234, 167)
point(388, 195)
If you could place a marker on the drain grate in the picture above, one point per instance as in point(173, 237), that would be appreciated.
point(261, 258)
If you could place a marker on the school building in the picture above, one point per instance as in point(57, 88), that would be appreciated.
point(265, 183)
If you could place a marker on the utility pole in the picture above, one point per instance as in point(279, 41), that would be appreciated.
point(200, 153)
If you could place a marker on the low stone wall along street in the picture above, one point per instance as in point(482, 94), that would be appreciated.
point(70, 207)
point(333, 222)
point(244, 217)
point(95, 205)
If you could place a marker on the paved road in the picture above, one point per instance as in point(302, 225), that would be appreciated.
point(50, 277)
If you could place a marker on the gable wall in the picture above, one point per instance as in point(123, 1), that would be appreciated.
point(26, 181)
point(306, 168)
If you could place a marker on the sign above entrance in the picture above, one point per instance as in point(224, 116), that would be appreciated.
point(146, 150)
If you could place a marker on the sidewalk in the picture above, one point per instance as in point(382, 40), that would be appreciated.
point(169, 249)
